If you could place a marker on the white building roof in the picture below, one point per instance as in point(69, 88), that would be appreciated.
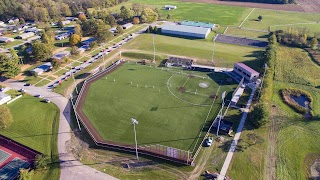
point(186, 29)
point(127, 25)
point(61, 55)
point(26, 35)
point(3, 39)
point(3, 95)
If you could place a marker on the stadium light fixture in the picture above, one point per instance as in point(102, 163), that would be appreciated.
point(134, 122)
point(220, 114)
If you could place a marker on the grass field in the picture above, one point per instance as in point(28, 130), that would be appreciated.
point(168, 117)
point(217, 14)
point(312, 28)
point(225, 54)
point(36, 127)
point(272, 17)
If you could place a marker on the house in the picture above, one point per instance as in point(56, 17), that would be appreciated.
point(178, 61)
point(2, 23)
point(66, 22)
point(61, 55)
point(182, 30)
point(25, 35)
point(198, 24)
point(246, 72)
point(169, 7)
point(127, 26)
point(62, 36)
point(13, 20)
point(113, 29)
point(4, 39)
point(83, 48)
point(4, 98)
point(34, 30)
point(88, 41)
point(33, 38)
point(42, 68)
point(71, 18)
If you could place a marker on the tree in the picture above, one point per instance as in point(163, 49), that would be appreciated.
point(74, 50)
point(60, 24)
point(168, 16)
point(5, 117)
point(41, 51)
point(66, 60)
point(260, 18)
point(151, 29)
point(258, 116)
point(119, 29)
point(137, 8)
point(77, 30)
point(314, 43)
point(93, 44)
point(74, 39)
point(9, 67)
point(125, 13)
point(148, 15)
point(56, 63)
point(111, 20)
point(25, 174)
point(136, 20)
point(272, 39)
point(82, 17)
point(48, 38)
point(103, 32)
point(155, 30)
point(41, 161)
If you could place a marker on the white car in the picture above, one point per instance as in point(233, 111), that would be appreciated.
point(209, 141)
point(22, 90)
point(47, 100)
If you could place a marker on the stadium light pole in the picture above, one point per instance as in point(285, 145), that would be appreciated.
point(220, 112)
point(134, 122)
point(214, 43)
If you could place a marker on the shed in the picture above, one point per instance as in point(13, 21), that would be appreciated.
point(4, 98)
point(182, 30)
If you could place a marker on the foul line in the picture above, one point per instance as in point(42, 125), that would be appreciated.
point(247, 17)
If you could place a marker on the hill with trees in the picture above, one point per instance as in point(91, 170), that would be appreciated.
point(268, 1)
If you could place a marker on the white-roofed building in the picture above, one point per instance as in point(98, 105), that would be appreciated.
point(169, 7)
point(127, 26)
point(4, 98)
point(4, 39)
point(66, 22)
point(34, 30)
point(61, 55)
point(42, 68)
point(182, 30)
point(25, 35)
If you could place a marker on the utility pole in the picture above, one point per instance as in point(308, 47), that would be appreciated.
point(74, 110)
point(134, 122)
point(265, 70)
point(220, 115)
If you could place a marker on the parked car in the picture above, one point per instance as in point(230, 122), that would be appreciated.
point(27, 84)
point(47, 101)
point(22, 90)
point(209, 141)
point(38, 96)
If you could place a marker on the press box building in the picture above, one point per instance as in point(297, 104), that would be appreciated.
point(246, 72)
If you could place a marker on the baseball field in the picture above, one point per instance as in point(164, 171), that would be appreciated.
point(173, 107)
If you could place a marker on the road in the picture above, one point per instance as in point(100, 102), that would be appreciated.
point(234, 143)
point(70, 167)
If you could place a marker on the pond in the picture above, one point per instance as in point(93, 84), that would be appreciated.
point(302, 101)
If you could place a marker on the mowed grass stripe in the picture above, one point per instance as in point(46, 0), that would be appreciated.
point(163, 119)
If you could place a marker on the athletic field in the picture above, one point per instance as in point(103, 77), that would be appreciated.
point(172, 106)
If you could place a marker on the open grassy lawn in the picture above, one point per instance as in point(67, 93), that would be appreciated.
point(11, 44)
point(312, 28)
point(298, 137)
point(273, 17)
point(217, 14)
point(247, 33)
point(36, 126)
point(168, 117)
point(225, 55)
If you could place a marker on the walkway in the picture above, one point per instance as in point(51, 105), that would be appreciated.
point(233, 146)
point(70, 167)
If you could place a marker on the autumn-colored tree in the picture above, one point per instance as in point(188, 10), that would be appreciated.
point(136, 20)
point(5, 117)
point(74, 39)
point(82, 17)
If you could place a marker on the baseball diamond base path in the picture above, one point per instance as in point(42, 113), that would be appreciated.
point(71, 168)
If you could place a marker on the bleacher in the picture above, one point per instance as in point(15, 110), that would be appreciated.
point(11, 170)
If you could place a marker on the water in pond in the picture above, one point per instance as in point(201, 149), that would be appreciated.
point(302, 101)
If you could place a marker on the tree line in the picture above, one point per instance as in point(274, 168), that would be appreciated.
point(268, 1)
point(49, 9)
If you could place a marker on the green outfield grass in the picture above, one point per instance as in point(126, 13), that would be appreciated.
point(35, 124)
point(217, 14)
point(225, 54)
point(169, 117)
point(273, 17)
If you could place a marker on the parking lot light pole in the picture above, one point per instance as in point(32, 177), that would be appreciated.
point(134, 122)
point(220, 112)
